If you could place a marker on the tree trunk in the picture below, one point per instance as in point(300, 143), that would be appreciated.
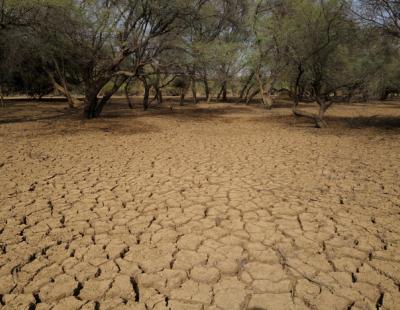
point(157, 86)
point(317, 118)
point(245, 87)
point(91, 100)
point(219, 94)
point(265, 97)
point(323, 106)
point(206, 88)
point(224, 91)
point(72, 102)
point(3, 105)
point(91, 104)
point(128, 98)
point(93, 89)
point(182, 99)
point(94, 106)
point(384, 95)
point(146, 94)
point(159, 96)
point(117, 84)
point(194, 91)
point(253, 94)
point(350, 95)
point(246, 95)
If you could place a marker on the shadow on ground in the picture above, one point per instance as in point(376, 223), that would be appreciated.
point(376, 121)
point(117, 118)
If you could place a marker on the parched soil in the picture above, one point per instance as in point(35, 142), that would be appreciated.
point(218, 206)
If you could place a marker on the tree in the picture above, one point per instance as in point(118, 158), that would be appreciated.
point(263, 59)
point(45, 61)
point(117, 30)
point(384, 14)
point(317, 39)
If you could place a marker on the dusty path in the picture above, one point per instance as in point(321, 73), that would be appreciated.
point(215, 207)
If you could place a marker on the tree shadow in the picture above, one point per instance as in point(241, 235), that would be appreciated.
point(119, 118)
point(45, 119)
point(172, 109)
point(58, 115)
point(362, 122)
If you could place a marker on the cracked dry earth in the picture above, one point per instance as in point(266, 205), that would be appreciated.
point(209, 207)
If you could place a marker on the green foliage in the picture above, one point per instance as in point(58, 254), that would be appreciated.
point(316, 47)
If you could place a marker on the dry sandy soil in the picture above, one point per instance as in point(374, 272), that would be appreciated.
point(202, 207)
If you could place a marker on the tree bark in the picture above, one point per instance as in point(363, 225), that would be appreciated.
point(246, 95)
point(317, 118)
point(182, 98)
point(384, 95)
point(72, 102)
point(146, 94)
point(349, 96)
point(91, 100)
point(94, 87)
point(206, 89)
point(265, 97)
point(253, 94)
point(104, 100)
point(245, 87)
point(194, 91)
point(3, 105)
point(224, 91)
point(158, 86)
point(159, 96)
point(128, 98)
point(323, 106)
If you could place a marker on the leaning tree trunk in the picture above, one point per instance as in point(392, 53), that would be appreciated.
point(253, 94)
point(245, 88)
point(72, 102)
point(94, 106)
point(91, 109)
point(223, 92)
point(94, 88)
point(317, 118)
point(246, 95)
point(107, 96)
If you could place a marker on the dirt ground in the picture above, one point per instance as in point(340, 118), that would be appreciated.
point(218, 206)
